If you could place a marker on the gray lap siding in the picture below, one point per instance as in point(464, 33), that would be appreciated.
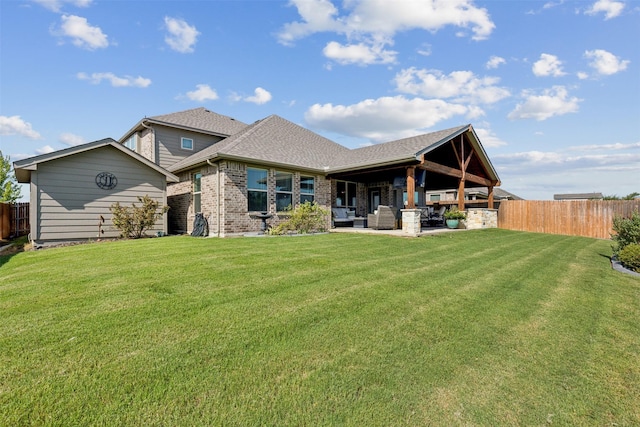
point(70, 203)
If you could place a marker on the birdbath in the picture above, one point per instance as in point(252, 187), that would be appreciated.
point(264, 216)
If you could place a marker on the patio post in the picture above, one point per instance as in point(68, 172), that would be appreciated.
point(490, 197)
point(411, 187)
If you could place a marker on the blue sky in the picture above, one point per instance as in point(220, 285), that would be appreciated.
point(552, 88)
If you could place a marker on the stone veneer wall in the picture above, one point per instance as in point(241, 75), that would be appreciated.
point(481, 218)
point(226, 181)
point(146, 141)
point(179, 200)
point(235, 219)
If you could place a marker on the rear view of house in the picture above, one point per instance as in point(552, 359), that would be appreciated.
point(200, 162)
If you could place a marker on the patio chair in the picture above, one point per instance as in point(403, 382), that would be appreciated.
point(437, 217)
point(383, 219)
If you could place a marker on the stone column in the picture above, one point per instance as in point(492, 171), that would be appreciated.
point(411, 221)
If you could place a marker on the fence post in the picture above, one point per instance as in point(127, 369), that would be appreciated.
point(5, 220)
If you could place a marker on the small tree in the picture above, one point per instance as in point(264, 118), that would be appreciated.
point(133, 221)
point(9, 188)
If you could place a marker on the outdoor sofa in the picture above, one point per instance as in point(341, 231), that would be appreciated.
point(342, 217)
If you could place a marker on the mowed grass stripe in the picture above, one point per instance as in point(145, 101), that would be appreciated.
point(322, 330)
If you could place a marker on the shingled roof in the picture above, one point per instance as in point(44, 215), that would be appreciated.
point(274, 141)
point(395, 151)
point(279, 142)
point(197, 119)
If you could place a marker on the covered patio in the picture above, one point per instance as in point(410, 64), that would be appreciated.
point(402, 173)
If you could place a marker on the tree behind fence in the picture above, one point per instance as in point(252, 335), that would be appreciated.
point(14, 220)
point(589, 218)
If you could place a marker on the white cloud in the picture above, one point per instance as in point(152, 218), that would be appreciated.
point(369, 25)
point(425, 50)
point(182, 37)
point(360, 53)
point(71, 139)
point(552, 102)
point(461, 86)
point(56, 5)
point(45, 150)
point(535, 162)
point(605, 63)
point(495, 62)
point(488, 137)
point(126, 81)
point(82, 34)
point(548, 65)
point(610, 8)
point(382, 119)
point(317, 16)
point(606, 147)
point(14, 125)
point(261, 96)
point(202, 93)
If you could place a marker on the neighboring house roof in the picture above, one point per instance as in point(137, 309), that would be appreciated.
point(23, 168)
point(197, 119)
point(498, 193)
point(578, 196)
point(274, 141)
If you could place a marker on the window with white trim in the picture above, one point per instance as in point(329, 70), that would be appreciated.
point(132, 142)
point(257, 199)
point(307, 189)
point(284, 191)
point(186, 143)
point(197, 192)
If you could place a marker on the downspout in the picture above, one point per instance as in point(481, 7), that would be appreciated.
point(217, 196)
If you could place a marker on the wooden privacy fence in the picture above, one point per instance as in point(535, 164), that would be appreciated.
point(14, 220)
point(589, 218)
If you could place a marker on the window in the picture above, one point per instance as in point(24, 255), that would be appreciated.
point(405, 198)
point(132, 142)
point(306, 189)
point(197, 192)
point(346, 194)
point(257, 189)
point(187, 144)
point(434, 197)
point(284, 191)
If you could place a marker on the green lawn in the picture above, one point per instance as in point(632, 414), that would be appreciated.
point(487, 327)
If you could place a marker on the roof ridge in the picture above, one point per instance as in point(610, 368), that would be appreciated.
point(239, 136)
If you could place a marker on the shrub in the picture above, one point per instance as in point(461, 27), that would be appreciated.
point(308, 217)
point(626, 232)
point(454, 213)
point(629, 256)
point(133, 221)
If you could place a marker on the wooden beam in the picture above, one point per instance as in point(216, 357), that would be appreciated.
point(411, 187)
point(490, 197)
point(456, 173)
point(461, 195)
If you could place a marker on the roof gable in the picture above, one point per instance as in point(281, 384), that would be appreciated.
point(398, 150)
point(24, 167)
point(197, 119)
